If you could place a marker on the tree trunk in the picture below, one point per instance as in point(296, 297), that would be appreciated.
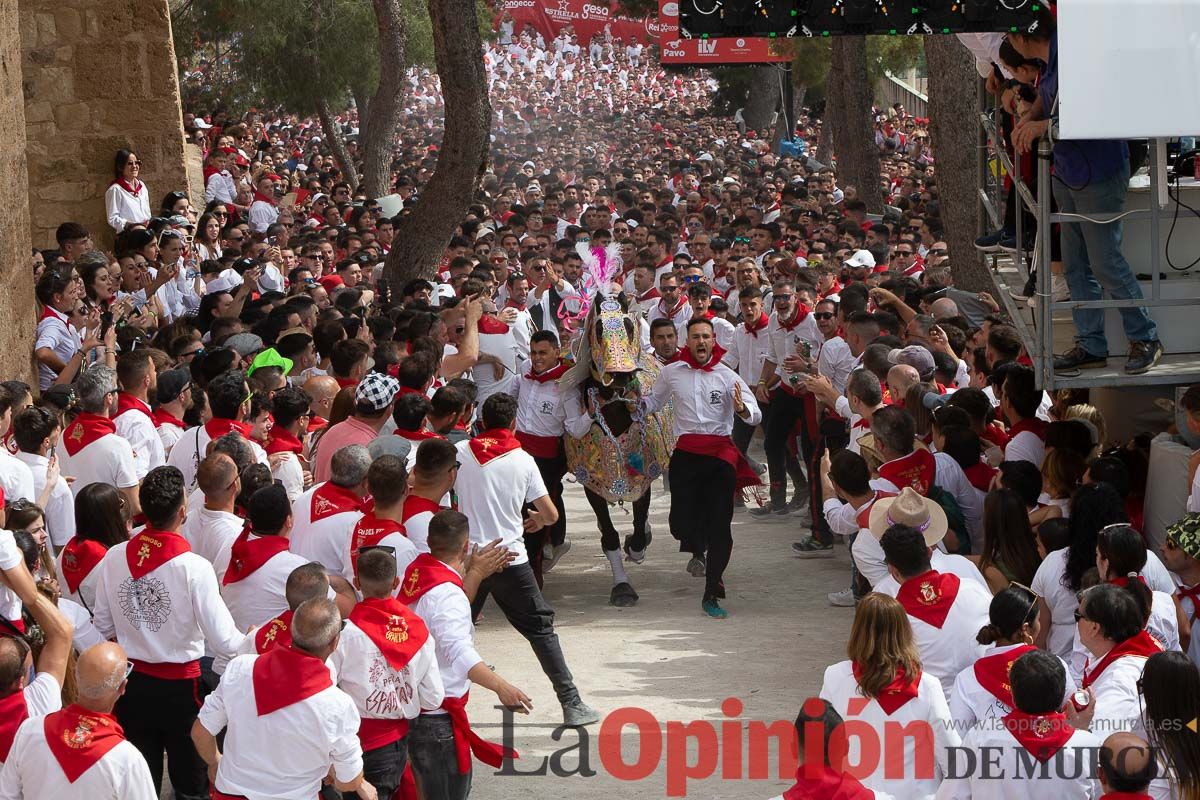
point(833, 103)
point(781, 131)
point(362, 104)
point(379, 130)
point(462, 158)
point(763, 99)
point(853, 135)
point(333, 134)
point(954, 135)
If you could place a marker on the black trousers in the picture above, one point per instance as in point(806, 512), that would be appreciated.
point(786, 410)
point(552, 471)
point(383, 767)
point(157, 716)
point(516, 591)
point(834, 437)
point(609, 538)
point(702, 511)
point(434, 759)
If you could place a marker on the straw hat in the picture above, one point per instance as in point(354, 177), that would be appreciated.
point(913, 510)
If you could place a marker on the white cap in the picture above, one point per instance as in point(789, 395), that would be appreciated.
point(861, 258)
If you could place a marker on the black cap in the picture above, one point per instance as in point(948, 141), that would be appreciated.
point(172, 382)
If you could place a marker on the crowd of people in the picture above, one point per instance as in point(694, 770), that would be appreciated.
point(258, 495)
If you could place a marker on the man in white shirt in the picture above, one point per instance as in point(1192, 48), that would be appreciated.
point(211, 528)
point(160, 602)
point(324, 516)
point(706, 467)
point(382, 525)
point(266, 704)
point(751, 347)
point(174, 399)
point(229, 400)
point(138, 381)
point(434, 471)
point(264, 211)
point(945, 611)
point(36, 433)
point(672, 305)
point(387, 663)
point(93, 451)
point(1019, 403)
point(699, 296)
point(496, 481)
point(80, 752)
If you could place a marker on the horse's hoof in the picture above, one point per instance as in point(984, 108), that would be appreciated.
point(623, 596)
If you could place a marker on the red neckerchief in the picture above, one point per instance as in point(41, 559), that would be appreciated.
point(1034, 425)
point(152, 548)
point(316, 423)
point(493, 443)
point(1140, 645)
point(800, 315)
point(489, 324)
point(281, 440)
point(992, 672)
point(980, 476)
point(423, 574)
point(414, 504)
point(864, 513)
point(330, 499)
point(671, 314)
point(893, 696)
point(417, 436)
point(408, 389)
point(284, 676)
point(79, 558)
point(1191, 593)
point(994, 434)
point(835, 289)
point(276, 633)
point(78, 738)
point(86, 428)
point(1042, 735)
point(246, 555)
point(757, 325)
point(552, 374)
point(134, 189)
point(392, 627)
point(917, 469)
point(823, 783)
point(1123, 581)
point(651, 294)
point(217, 427)
point(13, 711)
point(1124, 796)
point(260, 197)
point(718, 353)
point(369, 531)
point(127, 402)
point(161, 418)
point(664, 361)
point(929, 596)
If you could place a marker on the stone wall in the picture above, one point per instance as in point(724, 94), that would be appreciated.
point(99, 75)
point(16, 275)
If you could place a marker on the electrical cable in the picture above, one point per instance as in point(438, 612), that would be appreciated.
point(1177, 197)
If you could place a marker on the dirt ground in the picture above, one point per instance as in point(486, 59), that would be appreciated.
point(669, 660)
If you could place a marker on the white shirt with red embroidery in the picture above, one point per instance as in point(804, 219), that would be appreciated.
point(138, 429)
point(323, 539)
point(378, 690)
point(260, 596)
point(284, 754)
point(211, 532)
point(32, 771)
point(492, 495)
point(108, 459)
point(447, 614)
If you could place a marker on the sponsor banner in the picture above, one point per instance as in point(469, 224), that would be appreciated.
point(712, 51)
point(586, 17)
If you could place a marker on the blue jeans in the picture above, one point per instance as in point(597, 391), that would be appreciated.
point(1093, 259)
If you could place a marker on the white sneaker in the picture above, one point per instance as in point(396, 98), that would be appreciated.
point(842, 599)
point(1059, 290)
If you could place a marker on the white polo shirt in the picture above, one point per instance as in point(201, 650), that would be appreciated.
point(493, 495)
point(417, 513)
point(108, 459)
point(60, 507)
point(211, 532)
point(55, 331)
point(17, 479)
point(285, 754)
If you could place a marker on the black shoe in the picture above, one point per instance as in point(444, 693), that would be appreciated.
point(1143, 356)
point(990, 243)
point(1077, 358)
point(771, 513)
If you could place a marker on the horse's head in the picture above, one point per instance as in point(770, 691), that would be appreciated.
point(613, 337)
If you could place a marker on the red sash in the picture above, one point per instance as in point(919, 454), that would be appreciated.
point(929, 596)
point(822, 783)
point(757, 325)
point(540, 446)
point(392, 627)
point(1033, 425)
point(722, 447)
point(216, 428)
point(1140, 645)
point(917, 469)
point(423, 574)
point(714, 358)
point(992, 672)
point(414, 505)
point(280, 440)
point(980, 476)
point(127, 402)
point(1042, 735)
point(664, 361)
point(552, 374)
point(284, 676)
point(79, 558)
point(161, 418)
point(151, 548)
point(493, 443)
point(276, 633)
point(86, 428)
point(247, 555)
point(893, 696)
point(78, 738)
point(467, 742)
point(13, 711)
point(492, 325)
point(330, 499)
point(369, 531)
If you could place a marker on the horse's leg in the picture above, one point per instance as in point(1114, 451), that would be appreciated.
point(635, 545)
point(610, 541)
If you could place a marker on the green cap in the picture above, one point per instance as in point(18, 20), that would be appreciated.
point(1186, 534)
point(270, 358)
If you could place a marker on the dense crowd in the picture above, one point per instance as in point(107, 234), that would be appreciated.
point(258, 494)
